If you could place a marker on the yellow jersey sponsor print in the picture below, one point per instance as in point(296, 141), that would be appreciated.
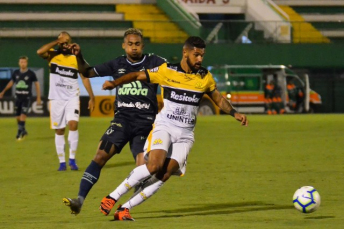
point(182, 92)
point(63, 79)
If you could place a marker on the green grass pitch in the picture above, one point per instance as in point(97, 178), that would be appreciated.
point(237, 177)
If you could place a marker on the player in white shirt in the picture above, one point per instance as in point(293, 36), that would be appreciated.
point(64, 96)
point(170, 141)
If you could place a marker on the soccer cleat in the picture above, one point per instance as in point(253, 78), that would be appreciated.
point(107, 204)
point(72, 164)
point(123, 214)
point(73, 204)
point(18, 135)
point(62, 167)
point(23, 134)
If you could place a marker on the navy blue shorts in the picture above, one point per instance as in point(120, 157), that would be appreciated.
point(22, 105)
point(122, 131)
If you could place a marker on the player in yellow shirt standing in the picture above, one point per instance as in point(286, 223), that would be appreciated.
point(64, 96)
point(171, 139)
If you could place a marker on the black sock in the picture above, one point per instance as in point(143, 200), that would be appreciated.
point(89, 178)
point(21, 125)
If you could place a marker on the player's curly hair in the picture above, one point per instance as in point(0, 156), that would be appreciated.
point(133, 31)
point(194, 41)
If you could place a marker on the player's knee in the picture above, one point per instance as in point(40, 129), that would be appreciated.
point(60, 131)
point(154, 168)
point(73, 125)
point(101, 158)
point(100, 161)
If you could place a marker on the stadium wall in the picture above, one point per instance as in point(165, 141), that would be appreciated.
point(326, 57)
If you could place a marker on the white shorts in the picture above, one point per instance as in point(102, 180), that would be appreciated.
point(62, 111)
point(175, 140)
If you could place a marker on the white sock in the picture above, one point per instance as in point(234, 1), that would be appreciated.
point(73, 140)
point(144, 194)
point(60, 144)
point(138, 174)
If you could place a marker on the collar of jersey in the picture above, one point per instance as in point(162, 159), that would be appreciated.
point(143, 59)
point(180, 69)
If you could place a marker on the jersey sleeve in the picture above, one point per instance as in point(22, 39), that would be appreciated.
point(156, 75)
point(13, 77)
point(211, 84)
point(33, 76)
point(106, 69)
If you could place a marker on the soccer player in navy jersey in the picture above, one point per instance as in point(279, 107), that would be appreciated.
point(135, 110)
point(23, 78)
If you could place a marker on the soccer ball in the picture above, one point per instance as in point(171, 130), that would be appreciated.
point(306, 199)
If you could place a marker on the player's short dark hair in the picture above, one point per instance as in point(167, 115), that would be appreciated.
point(133, 31)
point(194, 41)
point(24, 58)
point(66, 33)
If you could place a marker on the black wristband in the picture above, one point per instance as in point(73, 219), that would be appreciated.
point(232, 112)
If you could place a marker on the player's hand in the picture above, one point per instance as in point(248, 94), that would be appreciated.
point(1, 95)
point(108, 85)
point(74, 48)
point(91, 104)
point(39, 101)
point(241, 118)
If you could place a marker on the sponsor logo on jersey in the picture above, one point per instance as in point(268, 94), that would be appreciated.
point(181, 118)
point(64, 71)
point(157, 141)
point(21, 85)
point(138, 105)
point(134, 88)
point(184, 97)
point(62, 84)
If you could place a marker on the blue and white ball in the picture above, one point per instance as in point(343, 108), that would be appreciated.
point(306, 199)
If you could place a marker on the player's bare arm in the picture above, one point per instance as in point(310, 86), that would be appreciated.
point(87, 84)
point(38, 93)
point(127, 78)
point(227, 107)
point(8, 86)
point(45, 52)
point(83, 67)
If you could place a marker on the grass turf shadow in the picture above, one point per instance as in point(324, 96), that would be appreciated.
point(218, 209)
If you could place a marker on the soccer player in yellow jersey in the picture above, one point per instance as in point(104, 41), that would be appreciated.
point(64, 96)
point(170, 141)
